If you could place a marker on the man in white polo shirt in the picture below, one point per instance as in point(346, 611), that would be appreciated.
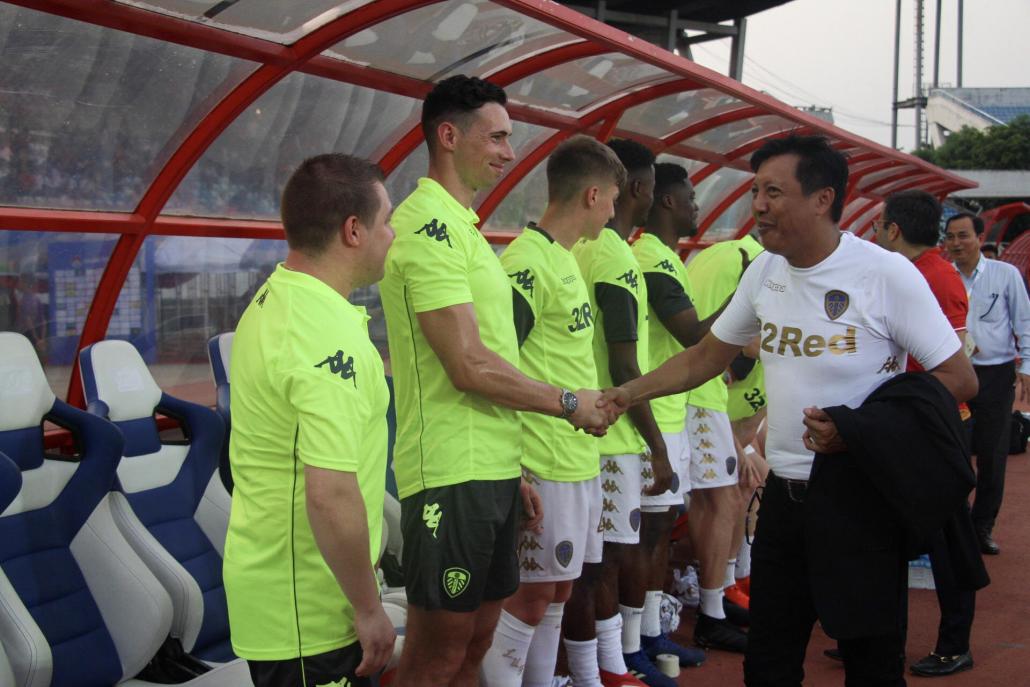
point(836, 316)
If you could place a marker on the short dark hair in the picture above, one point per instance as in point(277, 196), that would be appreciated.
point(917, 214)
point(322, 193)
point(820, 165)
point(635, 157)
point(978, 223)
point(454, 99)
point(578, 162)
point(667, 175)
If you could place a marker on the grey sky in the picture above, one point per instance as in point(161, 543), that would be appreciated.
point(839, 53)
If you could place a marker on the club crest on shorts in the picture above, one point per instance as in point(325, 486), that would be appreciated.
point(455, 581)
point(835, 303)
point(563, 553)
point(731, 465)
point(634, 519)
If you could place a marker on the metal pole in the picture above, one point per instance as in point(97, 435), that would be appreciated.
point(958, 78)
point(674, 20)
point(897, 57)
point(737, 49)
point(919, 72)
point(937, 47)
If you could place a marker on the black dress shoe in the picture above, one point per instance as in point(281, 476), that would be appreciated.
point(719, 633)
point(988, 545)
point(936, 665)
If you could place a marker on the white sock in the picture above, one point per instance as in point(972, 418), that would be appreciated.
point(631, 618)
point(711, 603)
point(743, 560)
point(651, 624)
point(543, 652)
point(730, 579)
point(506, 658)
point(609, 645)
point(582, 658)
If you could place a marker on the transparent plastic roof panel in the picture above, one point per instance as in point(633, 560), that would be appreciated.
point(866, 217)
point(576, 85)
point(730, 222)
point(723, 139)
point(876, 177)
point(89, 116)
point(456, 37)
point(712, 190)
point(273, 20)
point(690, 165)
point(668, 114)
point(242, 174)
point(525, 203)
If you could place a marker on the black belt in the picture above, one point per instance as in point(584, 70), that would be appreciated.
point(795, 488)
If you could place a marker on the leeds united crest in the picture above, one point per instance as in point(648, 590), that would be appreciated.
point(835, 303)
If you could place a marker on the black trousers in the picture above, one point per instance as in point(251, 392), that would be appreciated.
point(783, 612)
point(992, 417)
point(958, 605)
point(334, 667)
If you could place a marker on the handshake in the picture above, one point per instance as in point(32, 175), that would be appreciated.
point(598, 410)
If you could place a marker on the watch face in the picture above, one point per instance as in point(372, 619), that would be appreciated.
point(569, 402)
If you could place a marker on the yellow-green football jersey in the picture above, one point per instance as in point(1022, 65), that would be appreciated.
point(440, 259)
point(557, 350)
point(714, 274)
point(307, 390)
point(670, 412)
point(608, 262)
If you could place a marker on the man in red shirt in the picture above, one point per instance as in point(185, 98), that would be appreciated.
point(910, 225)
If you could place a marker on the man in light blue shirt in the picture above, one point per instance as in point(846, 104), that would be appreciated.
point(998, 311)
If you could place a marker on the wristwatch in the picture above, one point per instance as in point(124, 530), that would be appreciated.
point(569, 403)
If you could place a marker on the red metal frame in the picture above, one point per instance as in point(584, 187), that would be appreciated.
point(275, 61)
point(862, 209)
point(721, 207)
point(517, 173)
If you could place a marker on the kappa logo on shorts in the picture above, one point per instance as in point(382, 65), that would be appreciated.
point(646, 473)
point(610, 486)
point(705, 444)
point(344, 368)
point(700, 413)
point(709, 475)
point(608, 506)
point(611, 467)
point(563, 553)
point(342, 682)
point(835, 303)
point(529, 564)
point(455, 581)
point(703, 429)
point(431, 515)
point(436, 230)
point(731, 465)
point(707, 459)
point(528, 543)
point(634, 519)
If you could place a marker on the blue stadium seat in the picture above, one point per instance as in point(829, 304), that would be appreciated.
point(219, 352)
point(181, 507)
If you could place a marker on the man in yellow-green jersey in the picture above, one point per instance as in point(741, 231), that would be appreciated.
point(454, 356)
point(308, 447)
point(554, 323)
point(716, 520)
point(633, 453)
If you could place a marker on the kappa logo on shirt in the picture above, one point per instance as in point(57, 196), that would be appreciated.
point(262, 297)
point(667, 266)
point(344, 368)
point(630, 277)
point(890, 365)
point(436, 230)
point(524, 279)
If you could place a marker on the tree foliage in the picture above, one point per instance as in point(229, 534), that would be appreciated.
point(998, 147)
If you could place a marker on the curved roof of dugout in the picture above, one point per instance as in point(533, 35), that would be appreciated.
point(140, 118)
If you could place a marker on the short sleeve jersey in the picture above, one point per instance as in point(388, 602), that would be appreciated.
point(661, 265)
point(608, 263)
point(947, 288)
point(558, 350)
point(440, 259)
point(831, 334)
point(715, 272)
point(307, 390)
point(746, 396)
